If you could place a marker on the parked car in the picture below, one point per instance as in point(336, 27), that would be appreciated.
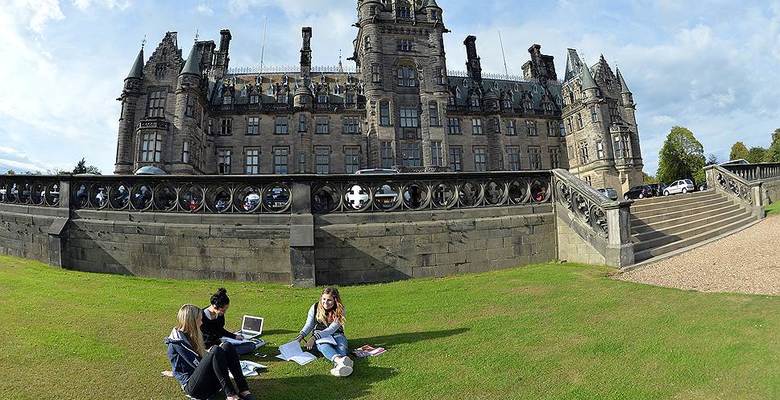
point(609, 193)
point(639, 192)
point(658, 188)
point(682, 186)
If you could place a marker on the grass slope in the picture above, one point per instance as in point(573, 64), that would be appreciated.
point(773, 209)
point(540, 332)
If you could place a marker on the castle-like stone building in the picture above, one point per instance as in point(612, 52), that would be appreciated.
point(399, 107)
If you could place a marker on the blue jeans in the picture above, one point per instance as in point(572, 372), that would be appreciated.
point(340, 349)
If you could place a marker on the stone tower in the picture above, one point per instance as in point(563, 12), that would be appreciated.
point(131, 94)
point(399, 51)
point(601, 130)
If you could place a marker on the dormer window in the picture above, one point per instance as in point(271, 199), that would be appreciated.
point(227, 99)
point(404, 12)
point(475, 101)
point(281, 98)
point(322, 98)
point(507, 104)
point(254, 99)
point(434, 15)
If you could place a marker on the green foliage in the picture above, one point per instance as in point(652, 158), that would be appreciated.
point(738, 151)
point(548, 331)
point(756, 155)
point(10, 172)
point(649, 178)
point(773, 209)
point(82, 168)
point(682, 156)
point(772, 154)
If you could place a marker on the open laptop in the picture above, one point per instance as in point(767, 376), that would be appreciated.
point(251, 327)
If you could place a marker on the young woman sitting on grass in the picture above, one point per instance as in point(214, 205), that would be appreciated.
point(326, 318)
point(214, 324)
point(202, 373)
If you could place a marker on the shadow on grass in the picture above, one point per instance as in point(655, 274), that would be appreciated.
point(322, 386)
point(388, 341)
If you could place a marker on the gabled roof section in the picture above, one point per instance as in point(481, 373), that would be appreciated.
point(137, 71)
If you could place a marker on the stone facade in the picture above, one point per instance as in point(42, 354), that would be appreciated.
point(400, 107)
point(601, 130)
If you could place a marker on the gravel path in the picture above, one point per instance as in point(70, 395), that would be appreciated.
point(746, 262)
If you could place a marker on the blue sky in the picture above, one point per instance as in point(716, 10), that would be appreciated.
point(710, 66)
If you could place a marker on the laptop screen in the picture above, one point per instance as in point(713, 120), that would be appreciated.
point(252, 324)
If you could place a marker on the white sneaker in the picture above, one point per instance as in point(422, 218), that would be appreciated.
point(344, 361)
point(341, 370)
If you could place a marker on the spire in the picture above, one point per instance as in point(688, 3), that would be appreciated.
point(192, 66)
point(623, 86)
point(587, 79)
point(137, 71)
point(429, 3)
point(573, 64)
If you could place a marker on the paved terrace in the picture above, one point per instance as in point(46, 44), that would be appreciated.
point(746, 262)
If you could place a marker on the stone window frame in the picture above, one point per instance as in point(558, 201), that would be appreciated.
point(534, 158)
point(555, 156)
point(600, 149)
point(252, 126)
point(224, 160)
point(254, 99)
point(476, 127)
point(302, 123)
point(433, 114)
point(531, 128)
point(151, 147)
point(281, 125)
point(252, 160)
point(321, 125)
point(454, 126)
point(552, 128)
point(511, 127)
point(350, 125)
point(322, 159)
point(404, 11)
point(582, 152)
point(409, 117)
point(411, 154)
point(456, 158)
point(226, 126)
point(385, 116)
point(281, 160)
point(185, 152)
point(376, 73)
point(513, 158)
point(407, 76)
point(227, 99)
point(386, 154)
point(480, 158)
point(155, 106)
point(437, 157)
point(578, 119)
point(189, 108)
point(352, 158)
point(406, 45)
point(594, 114)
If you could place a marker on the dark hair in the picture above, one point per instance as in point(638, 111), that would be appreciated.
point(220, 299)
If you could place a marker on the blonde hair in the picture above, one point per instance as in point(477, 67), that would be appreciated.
point(188, 324)
point(336, 313)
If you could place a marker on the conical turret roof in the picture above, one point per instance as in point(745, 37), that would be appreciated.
point(587, 78)
point(623, 86)
point(137, 71)
point(429, 3)
point(192, 66)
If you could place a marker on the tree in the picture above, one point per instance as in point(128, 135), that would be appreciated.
point(738, 151)
point(649, 178)
point(712, 159)
point(772, 154)
point(10, 172)
point(681, 156)
point(82, 168)
point(756, 155)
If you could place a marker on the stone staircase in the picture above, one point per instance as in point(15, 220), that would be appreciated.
point(662, 225)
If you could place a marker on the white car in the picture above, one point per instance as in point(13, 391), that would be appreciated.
point(682, 186)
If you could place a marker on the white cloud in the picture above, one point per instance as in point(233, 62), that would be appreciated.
point(204, 9)
point(110, 4)
point(11, 158)
point(35, 13)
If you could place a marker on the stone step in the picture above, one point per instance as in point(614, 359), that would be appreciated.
point(680, 244)
point(673, 198)
point(693, 229)
point(663, 208)
point(698, 211)
point(649, 232)
point(640, 226)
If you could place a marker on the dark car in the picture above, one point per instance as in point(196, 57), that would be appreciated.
point(639, 192)
point(609, 193)
point(658, 188)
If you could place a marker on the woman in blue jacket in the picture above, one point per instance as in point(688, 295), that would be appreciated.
point(203, 373)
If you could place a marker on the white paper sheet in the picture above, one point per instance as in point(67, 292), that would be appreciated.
point(292, 352)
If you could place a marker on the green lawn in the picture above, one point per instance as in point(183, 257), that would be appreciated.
point(553, 331)
point(773, 209)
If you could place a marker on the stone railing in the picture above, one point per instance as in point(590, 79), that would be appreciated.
point(427, 191)
point(745, 192)
point(754, 172)
point(274, 194)
point(602, 225)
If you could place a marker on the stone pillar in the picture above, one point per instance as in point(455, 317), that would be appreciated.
point(302, 268)
point(57, 230)
point(620, 250)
